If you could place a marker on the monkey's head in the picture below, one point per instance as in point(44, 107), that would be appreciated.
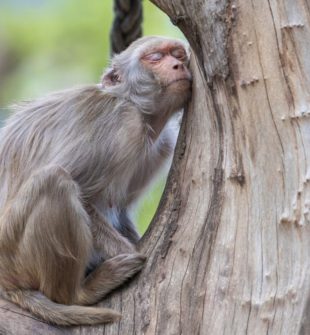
point(152, 73)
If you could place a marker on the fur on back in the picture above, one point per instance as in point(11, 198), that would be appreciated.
point(73, 129)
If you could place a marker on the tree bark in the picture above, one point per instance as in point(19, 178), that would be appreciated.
point(229, 248)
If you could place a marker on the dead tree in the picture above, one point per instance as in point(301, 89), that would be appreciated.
point(229, 249)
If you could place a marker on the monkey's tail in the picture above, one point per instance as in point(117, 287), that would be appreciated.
point(62, 315)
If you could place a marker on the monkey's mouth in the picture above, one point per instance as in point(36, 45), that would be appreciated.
point(183, 79)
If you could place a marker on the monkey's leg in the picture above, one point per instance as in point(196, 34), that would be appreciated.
point(109, 275)
point(44, 229)
point(108, 242)
point(122, 263)
point(56, 242)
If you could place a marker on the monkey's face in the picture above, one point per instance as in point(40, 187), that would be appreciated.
point(168, 62)
point(152, 72)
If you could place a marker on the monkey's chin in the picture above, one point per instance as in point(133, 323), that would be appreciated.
point(181, 87)
point(175, 98)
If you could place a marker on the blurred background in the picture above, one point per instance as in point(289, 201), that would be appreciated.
point(48, 45)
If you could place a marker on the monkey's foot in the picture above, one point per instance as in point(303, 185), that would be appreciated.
point(109, 275)
point(124, 266)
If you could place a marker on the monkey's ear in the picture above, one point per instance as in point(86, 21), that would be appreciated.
point(110, 78)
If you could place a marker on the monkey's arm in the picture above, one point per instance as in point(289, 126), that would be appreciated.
point(118, 221)
point(159, 157)
point(162, 153)
point(127, 228)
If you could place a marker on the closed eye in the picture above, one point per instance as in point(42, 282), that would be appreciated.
point(179, 54)
point(154, 56)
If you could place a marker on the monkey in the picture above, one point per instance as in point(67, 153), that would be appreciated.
point(71, 165)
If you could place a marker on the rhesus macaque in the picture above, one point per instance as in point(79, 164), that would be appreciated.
point(70, 166)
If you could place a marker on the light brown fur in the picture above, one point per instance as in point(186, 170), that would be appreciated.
point(70, 166)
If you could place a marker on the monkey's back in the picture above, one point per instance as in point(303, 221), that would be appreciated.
point(82, 130)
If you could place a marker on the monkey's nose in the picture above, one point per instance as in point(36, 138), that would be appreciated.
point(178, 66)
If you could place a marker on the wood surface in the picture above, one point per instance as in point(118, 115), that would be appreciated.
point(229, 249)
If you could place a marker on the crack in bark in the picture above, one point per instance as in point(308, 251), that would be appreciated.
point(303, 145)
point(291, 100)
point(249, 315)
point(181, 295)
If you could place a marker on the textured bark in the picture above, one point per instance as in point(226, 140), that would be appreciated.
point(229, 249)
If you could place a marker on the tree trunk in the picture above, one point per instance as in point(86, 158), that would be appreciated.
point(229, 249)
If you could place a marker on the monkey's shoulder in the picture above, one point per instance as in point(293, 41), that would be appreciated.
point(72, 99)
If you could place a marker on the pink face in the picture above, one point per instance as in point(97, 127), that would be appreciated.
point(168, 62)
